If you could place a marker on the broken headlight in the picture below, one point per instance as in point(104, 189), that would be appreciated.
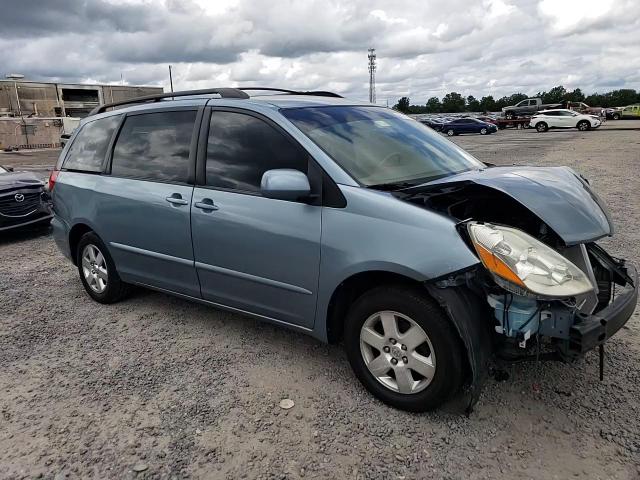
point(520, 263)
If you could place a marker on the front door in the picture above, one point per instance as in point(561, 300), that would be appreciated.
point(144, 204)
point(566, 119)
point(254, 253)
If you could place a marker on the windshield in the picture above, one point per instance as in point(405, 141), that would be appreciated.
point(378, 146)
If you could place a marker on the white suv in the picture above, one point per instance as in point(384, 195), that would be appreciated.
point(563, 118)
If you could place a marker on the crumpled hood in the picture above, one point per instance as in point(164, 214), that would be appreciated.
point(14, 180)
point(557, 195)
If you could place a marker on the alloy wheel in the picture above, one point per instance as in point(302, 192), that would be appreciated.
point(397, 352)
point(94, 268)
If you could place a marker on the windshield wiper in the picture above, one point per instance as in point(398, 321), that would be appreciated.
point(391, 186)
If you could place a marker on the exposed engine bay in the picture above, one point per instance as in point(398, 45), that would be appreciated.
point(544, 295)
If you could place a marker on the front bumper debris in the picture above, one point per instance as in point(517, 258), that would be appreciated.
point(590, 331)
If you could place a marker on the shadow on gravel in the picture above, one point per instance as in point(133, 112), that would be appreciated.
point(24, 234)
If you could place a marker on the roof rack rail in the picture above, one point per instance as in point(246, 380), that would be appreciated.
point(223, 92)
point(318, 93)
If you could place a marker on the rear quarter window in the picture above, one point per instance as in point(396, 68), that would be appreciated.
point(89, 148)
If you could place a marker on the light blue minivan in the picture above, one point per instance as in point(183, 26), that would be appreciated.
point(347, 221)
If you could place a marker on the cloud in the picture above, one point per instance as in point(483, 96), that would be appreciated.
point(424, 49)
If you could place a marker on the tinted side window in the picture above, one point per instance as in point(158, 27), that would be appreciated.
point(241, 148)
point(154, 146)
point(90, 145)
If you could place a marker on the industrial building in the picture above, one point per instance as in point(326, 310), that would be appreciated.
point(32, 113)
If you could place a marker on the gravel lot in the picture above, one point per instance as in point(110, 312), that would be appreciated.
point(156, 387)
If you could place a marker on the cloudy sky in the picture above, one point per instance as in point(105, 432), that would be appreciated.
point(425, 48)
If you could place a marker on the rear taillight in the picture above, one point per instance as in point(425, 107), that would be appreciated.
point(52, 179)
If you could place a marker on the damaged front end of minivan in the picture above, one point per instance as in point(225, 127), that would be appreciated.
point(545, 288)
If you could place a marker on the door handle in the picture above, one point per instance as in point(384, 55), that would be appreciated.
point(176, 199)
point(206, 204)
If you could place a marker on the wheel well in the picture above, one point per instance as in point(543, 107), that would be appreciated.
point(350, 290)
point(76, 233)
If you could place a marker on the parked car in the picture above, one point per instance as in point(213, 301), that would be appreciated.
point(468, 125)
point(630, 112)
point(23, 201)
point(434, 123)
point(486, 119)
point(563, 118)
point(346, 221)
point(613, 113)
point(527, 107)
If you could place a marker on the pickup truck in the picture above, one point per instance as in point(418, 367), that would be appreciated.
point(584, 108)
point(528, 107)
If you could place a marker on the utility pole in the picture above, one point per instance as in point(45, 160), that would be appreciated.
point(372, 75)
point(170, 79)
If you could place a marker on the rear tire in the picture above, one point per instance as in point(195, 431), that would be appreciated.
point(98, 271)
point(450, 133)
point(583, 125)
point(403, 358)
point(542, 127)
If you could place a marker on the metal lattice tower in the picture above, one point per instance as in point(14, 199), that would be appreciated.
point(372, 75)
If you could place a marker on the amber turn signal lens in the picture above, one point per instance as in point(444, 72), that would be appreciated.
point(497, 266)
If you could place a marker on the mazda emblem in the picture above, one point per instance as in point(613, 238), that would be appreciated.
point(19, 197)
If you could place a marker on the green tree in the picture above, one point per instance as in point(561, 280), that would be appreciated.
point(473, 105)
point(596, 100)
point(434, 105)
point(555, 95)
point(510, 100)
point(403, 105)
point(622, 98)
point(503, 102)
point(488, 104)
point(453, 102)
point(575, 96)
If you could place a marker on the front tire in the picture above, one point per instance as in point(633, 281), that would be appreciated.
point(542, 127)
point(583, 125)
point(616, 116)
point(98, 271)
point(483, 131)
point(450, 133)
point(403, 348)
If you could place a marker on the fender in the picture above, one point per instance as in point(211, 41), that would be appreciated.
point(468, 314)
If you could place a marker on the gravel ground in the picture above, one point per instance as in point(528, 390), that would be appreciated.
point(156, 387)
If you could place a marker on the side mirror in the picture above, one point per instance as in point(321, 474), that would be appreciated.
point(10, 169)
point(285, 184)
